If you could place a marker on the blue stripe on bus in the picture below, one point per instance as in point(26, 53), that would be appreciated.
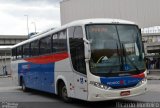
point(120, 82)
point(38, 76)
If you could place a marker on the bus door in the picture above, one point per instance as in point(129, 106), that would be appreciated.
point(80, 77)
point(78, 62)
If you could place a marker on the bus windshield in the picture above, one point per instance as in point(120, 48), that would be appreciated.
point(115, 49)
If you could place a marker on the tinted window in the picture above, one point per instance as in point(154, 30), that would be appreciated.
point(35, 48)
point(59, 41)
point(45, 45)
point(62, 41)
point(14, 51)
point(55, 43)
point(19, 52)
point(26, 50)
point(77, 49)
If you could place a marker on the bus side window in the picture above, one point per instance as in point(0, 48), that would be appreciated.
point(62, 41)
point(14, 53)
point(26, 50)
point(55, 43)
point(19, 52)
point(34, 48)
point(77, 49)
point(45, 45)
point(59, 42)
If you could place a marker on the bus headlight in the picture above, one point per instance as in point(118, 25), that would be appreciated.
point(99, 85)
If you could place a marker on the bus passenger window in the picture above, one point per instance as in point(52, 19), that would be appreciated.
point(14, 53)
point(35, 48)
point(55, 43)
point(62, 41)
point(26, 50)
point(19, 52)
point(59, 42)
point(45, 45)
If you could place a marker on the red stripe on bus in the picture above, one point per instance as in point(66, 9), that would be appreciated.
point(48, 58)
point(142, 75)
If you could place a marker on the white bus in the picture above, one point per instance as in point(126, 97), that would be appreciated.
point(92, 60)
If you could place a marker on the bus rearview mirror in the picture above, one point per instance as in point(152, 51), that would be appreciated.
point(87, 47)
point(87, 51)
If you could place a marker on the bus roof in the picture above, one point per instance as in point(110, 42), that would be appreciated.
point(5, 47)
point(77, 23)
point(100, 20)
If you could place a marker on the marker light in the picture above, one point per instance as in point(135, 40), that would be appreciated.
point(142, 81)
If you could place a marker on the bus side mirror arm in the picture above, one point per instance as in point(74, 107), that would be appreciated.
point(86, 41)
point(87, 49)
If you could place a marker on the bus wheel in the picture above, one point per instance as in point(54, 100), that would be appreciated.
point(24, 88)
point(63, 92)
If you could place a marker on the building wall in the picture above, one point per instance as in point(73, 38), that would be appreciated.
point(151, 44)
point(11, 39)
point(5, 53)
point(144, 12)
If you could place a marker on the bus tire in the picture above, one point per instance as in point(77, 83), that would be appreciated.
point(62, 92)
point(24, 88)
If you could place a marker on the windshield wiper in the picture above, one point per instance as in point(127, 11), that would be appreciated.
point(125, 55)
point(120, 58)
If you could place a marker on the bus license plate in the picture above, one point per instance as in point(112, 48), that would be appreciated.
point(125, 93)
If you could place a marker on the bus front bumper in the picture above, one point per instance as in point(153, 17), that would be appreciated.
point(97, 94)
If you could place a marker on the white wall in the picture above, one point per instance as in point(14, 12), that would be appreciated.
point(144, 12)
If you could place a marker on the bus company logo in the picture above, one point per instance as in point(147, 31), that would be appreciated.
point(81, 80)
point(26, 66)
point(121, 82)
